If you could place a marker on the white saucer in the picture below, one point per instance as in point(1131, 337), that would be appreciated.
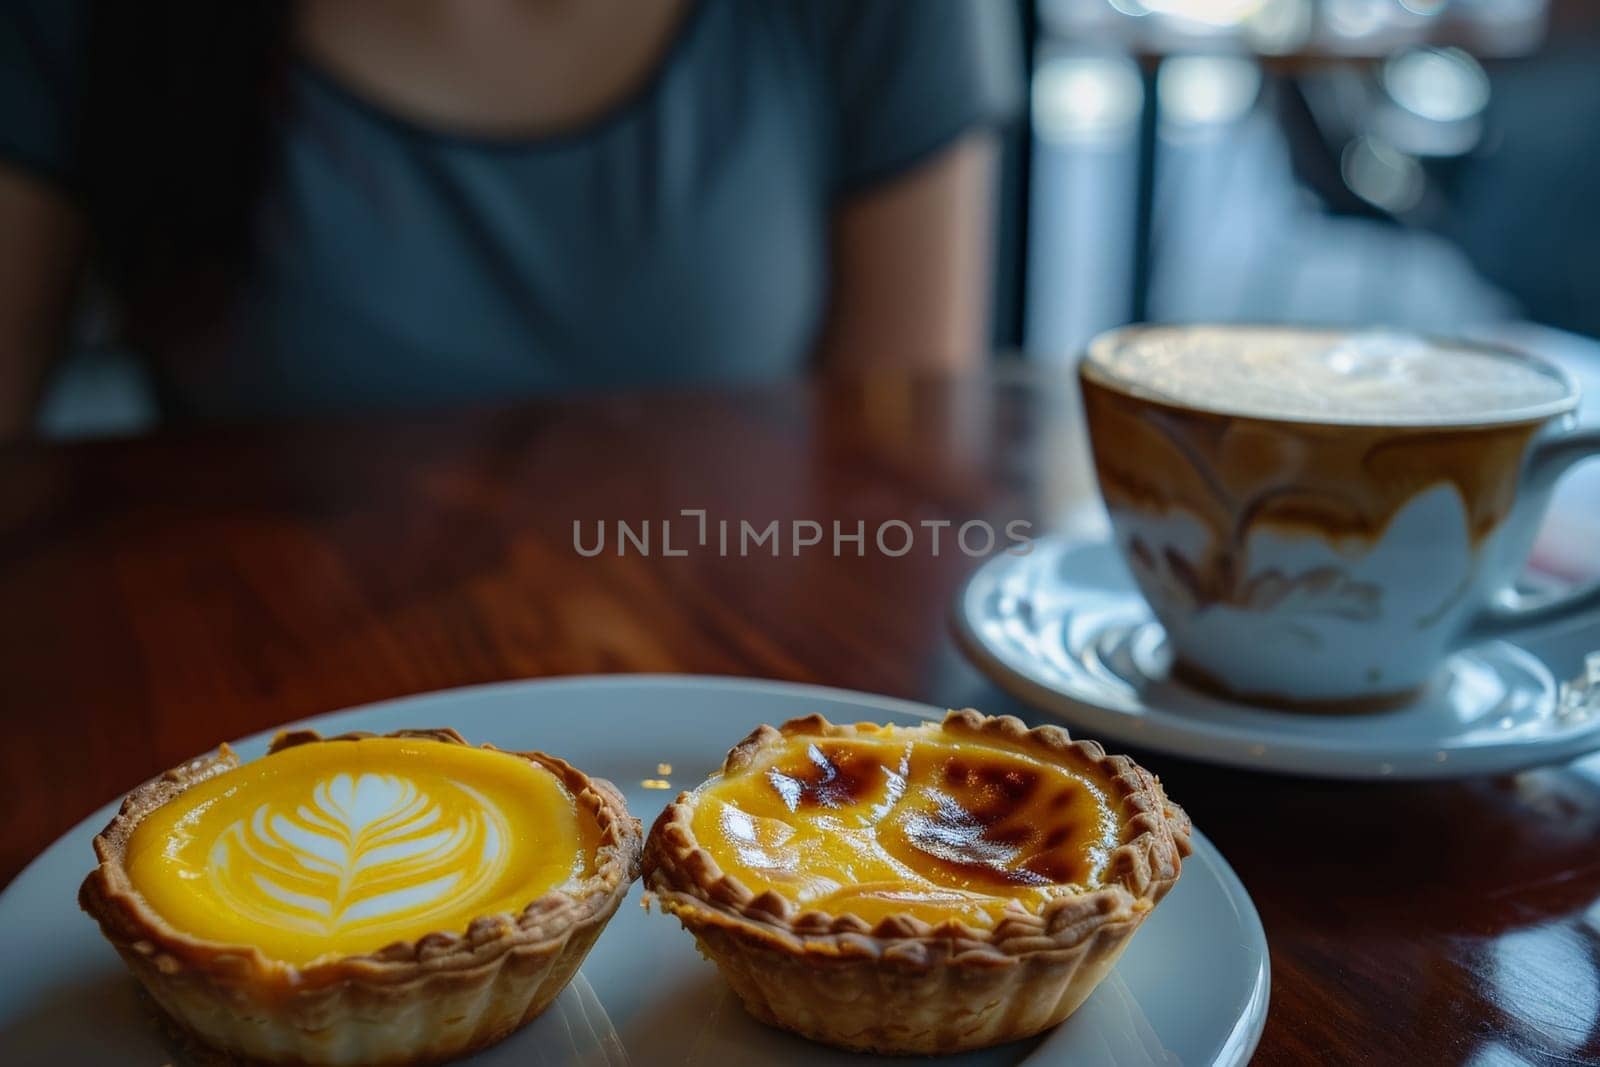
point(1190, 989)
point(1064, 629)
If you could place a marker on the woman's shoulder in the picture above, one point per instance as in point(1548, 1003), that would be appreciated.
point(866, 25)
point(42, 45)
point(905, 77)
point(43, 38)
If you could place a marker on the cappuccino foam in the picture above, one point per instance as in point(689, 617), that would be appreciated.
point(1367, 377)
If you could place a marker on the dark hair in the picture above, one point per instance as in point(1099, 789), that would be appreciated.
point(182, 105)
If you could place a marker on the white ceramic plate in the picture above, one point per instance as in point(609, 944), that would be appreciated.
point(1065, 630)
point(1191, 988)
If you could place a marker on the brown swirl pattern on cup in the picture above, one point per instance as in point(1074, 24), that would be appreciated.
point(1237, 475)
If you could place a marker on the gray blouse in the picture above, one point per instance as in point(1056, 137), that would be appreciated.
point(680, 238)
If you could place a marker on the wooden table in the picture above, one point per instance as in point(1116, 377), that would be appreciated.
point(162, 595)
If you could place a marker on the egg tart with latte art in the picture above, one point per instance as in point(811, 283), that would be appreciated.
point(361, 899)
point(923, 889)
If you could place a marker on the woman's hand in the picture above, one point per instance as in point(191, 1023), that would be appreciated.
point(911, 266)
point(42, 238)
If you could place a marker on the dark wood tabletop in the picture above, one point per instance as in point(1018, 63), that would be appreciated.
point(164, 594)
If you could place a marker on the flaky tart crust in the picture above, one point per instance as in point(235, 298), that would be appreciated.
point(440, 996)
point(901, 985)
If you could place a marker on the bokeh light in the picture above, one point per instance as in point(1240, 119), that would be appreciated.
point(1085, 98)
point(1207, 90)
point(1440, 84)
point(1383, 176)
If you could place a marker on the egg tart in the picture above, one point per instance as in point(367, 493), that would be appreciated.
point(360, 899)
point(923, 889)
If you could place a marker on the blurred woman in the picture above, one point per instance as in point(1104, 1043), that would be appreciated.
point(348, 204)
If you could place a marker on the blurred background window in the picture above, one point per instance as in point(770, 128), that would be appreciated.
point(1422, 163)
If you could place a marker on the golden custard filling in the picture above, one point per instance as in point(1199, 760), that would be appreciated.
point(343, 847)
point(909, 821)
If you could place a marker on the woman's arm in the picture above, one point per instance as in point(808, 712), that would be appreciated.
point(41, 255)
point(911, 266)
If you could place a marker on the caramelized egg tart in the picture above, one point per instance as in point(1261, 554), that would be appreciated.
point(361, 899)
point(921, 889)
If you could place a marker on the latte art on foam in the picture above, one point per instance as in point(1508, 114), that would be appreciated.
point(347, 846)
point(1371, 377)
point(360, 850)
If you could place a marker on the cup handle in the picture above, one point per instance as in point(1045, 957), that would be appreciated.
point(1510, 612)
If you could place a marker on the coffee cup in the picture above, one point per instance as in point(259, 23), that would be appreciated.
point(1318, 518)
